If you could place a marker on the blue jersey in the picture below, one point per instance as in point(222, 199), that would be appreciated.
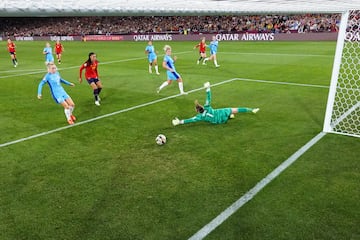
point(213, 46)
point(57, 91)
point(48, 54)
point(211, 115)
point(171, 64)
point(151, 53)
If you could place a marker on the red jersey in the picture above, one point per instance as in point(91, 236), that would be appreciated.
point(202, 47)
point(90, 70)
point(58, 48)
point(11, 47)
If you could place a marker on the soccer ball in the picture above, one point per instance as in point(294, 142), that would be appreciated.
point(160, 139)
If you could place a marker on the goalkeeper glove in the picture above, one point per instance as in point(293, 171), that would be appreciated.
point(176, 121)
point(207, 85)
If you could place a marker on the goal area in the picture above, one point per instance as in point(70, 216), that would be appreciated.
point(343, 107)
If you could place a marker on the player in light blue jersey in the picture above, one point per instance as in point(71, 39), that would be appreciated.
point(54, 80)
point(49, 58)
point(152, 57)
point(216, 116)
point(213, 50)
point(172, 75)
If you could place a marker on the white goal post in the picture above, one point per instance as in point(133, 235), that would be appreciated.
point(343, 106)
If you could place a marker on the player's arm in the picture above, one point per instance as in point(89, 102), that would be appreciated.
point(66, 82)
point(97, 73)
point(165, 65)
point(40, 86)
point(80, 71)
point(194, 119)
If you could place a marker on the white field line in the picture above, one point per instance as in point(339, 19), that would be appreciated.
point(147, 104)
point(208, 228)
point(277, 54)
point(241, 201)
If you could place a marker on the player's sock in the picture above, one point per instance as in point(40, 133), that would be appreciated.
point(164, 84)
point(14, 62)
point(215, 62)
point(157, 69)
point(96, 94)
point(67, 113)
point(244, 110)
point(150, 70)
point(71, 109)
point(181, 87)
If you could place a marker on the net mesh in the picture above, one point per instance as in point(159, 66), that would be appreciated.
point(345, 117)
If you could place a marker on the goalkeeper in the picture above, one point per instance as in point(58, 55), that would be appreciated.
point(207, 114)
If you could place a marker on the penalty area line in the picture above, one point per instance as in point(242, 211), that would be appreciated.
point(208, 228)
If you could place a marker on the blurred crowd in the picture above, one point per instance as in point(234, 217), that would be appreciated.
point(109, 25)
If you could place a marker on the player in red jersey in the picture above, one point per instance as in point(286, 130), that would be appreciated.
point(92, 76)
point(202, 50)
point(58, 49)
point(12, 50)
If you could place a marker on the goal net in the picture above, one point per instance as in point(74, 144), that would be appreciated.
point(343, 107)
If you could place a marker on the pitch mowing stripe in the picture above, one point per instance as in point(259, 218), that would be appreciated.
point(18, 73)
point(277, 54)
point(147, 104)
point(104, 116)
point(203, 232)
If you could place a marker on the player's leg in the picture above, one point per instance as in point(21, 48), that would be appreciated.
point(170, 77)
point(164, 84)
point(71, 104)
point(215, 60)
point(244, 110)
point(203, 56)
point(95, 91)
point(150, 67)
point(13, 59)
point(181, 85)
point(200, 58)
point(99, 86)
point(67, 112)
point(156, 66)
point(58, 56)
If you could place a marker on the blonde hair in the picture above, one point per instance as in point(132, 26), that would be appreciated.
point(166, 47)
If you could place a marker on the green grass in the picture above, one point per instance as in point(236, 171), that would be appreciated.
point(107, 179)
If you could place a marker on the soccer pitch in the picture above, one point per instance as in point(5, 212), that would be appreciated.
point(105, 177)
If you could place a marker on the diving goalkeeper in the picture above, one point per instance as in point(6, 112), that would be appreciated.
point(207, 114)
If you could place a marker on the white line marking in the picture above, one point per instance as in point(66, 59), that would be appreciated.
point(203, 232)
point(282, 83)
point(277, 54)
point(146, 104)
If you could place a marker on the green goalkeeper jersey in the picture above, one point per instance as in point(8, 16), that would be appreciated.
point(211, 115)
